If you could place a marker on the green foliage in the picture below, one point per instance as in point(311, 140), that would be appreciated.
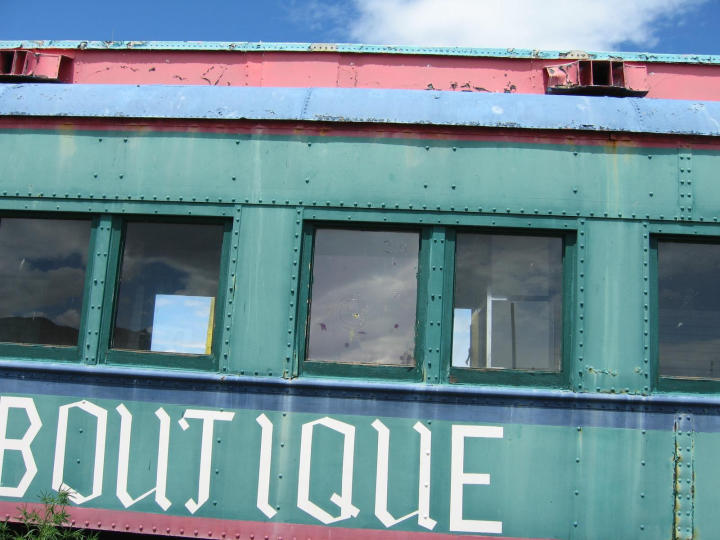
point(47, 523)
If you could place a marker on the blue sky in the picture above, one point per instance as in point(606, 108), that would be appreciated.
point(671, 26)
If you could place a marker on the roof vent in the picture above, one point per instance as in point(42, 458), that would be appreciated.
point(597, 78)
point(27, 66)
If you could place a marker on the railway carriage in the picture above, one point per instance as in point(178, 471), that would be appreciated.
point(336, 291)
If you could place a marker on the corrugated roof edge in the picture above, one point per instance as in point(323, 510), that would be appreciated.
point(245, 46)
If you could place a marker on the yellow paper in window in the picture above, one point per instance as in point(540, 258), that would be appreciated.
point(211, 325)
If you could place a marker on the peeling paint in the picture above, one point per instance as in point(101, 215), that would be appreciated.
point(595, 371)
point(411, 107)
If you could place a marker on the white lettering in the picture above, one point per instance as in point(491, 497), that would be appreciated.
point(344, 500)
point(263, 490)
point(208, 418)
point(459, 478)
point(100, 415)
point(21, 445)
point(381, 478)
point(124, 459)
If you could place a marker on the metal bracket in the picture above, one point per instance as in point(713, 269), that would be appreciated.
point(684, 478)
point(685, 184)
point(597, 78)
point(29, 66)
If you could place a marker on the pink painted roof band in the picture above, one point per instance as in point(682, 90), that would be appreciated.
point(323, 67)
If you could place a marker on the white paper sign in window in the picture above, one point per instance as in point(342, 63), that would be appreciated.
point(182, 324)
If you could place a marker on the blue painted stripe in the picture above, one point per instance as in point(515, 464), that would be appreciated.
point(321, 397)
point(417, 107)
point(247, 46)
point(20, 368)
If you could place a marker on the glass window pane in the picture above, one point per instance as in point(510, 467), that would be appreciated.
point(364, 294)
point(168, 284)
point(42, 276)
point(507, 309)
point(689, 309)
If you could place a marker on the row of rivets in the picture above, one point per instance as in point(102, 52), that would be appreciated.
point(434, 307)
point(234, 257)
point(645, 473)
point(684, 209)
point(581, 240)
point(43, 202)
point(684, 489)
point(292, 310)
point(95, 300)
point(685, 184)
point(645, 368)
point(577, 504)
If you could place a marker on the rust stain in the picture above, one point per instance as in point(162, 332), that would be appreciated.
point(595, 371)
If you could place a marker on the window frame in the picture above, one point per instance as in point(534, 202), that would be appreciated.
point(170, 360)
point(421, 372)
point(667, 383)
point(364, 371)
point(59, 353)
point(512, 377)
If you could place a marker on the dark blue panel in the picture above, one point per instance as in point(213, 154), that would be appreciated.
point(338, 397)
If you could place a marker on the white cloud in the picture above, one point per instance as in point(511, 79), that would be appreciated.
point(593, 25)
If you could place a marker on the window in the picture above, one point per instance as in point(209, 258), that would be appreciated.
point(507, 310)
point(367, 297)
point(155, 303)
point(362, 310)
point(43, 267)
point(688, 312)
point(167, 293)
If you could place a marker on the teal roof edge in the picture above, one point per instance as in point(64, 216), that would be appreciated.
point(245, 46)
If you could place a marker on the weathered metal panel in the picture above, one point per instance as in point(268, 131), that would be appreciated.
point(553, 472)
point(356, 66)
point(264, 287)
point(613, 319)
point(684, 477)
point(599, 459)
point(705, 445)
point(471, 177)
point(632, 115)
